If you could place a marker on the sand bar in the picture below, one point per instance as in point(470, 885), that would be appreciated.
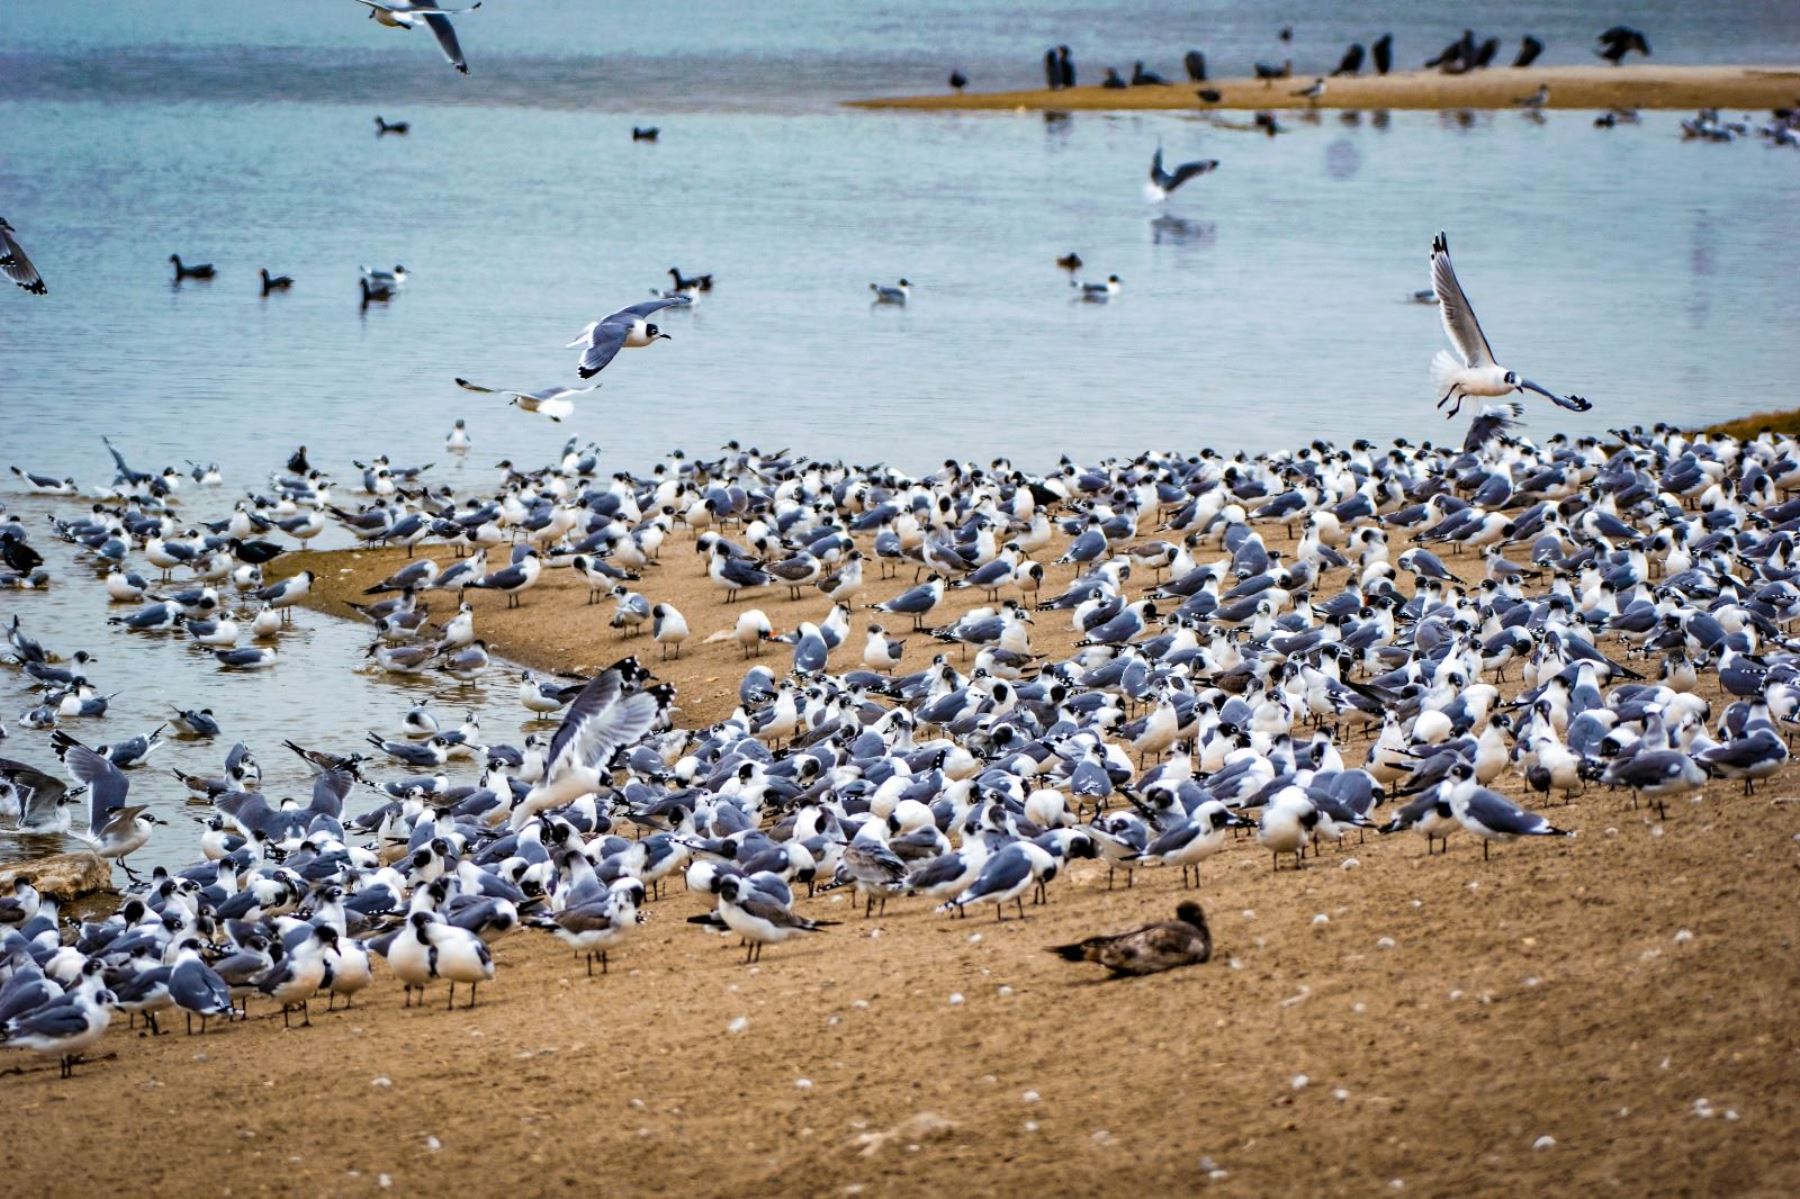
point(1446, 1014)
point(1637, 86)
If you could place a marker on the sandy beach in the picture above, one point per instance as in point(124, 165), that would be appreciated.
point(1645, 85)
point(1378, 1017)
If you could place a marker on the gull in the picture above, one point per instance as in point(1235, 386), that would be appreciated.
point(552, 402)
point(759, 918)
point(1163, 183)
point(1536, 100)
point(898, 293)
point(382, 128)
point(114, 829)
point(388, 281)
point(668, 628)
point(600, 720)
point(598, 922)
point(1097, 293)
point(409, 14)
point(64, 1027)
point(1474, 373)
point(602, 340)
point(43, 800)
point(18, 268)
point(1165, 945)
point(1311, 92)
point(275, 282)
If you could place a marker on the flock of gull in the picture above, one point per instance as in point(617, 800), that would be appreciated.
point(1269, 651)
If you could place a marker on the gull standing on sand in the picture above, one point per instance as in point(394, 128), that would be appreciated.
point(553, 402)
point(1163, 183)
point(1474, 373)
point(410, 14)
point(602, 340)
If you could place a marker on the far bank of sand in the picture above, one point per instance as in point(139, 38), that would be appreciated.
point(1638, 86)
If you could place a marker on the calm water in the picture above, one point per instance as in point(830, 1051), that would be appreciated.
point(1265, 306)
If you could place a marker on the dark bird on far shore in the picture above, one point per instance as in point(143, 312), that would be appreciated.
point(1269, 74)
point(275, 282)
point(1383, 53)
point(383, 128)
point(1529, 49)
point(1070, 261)
point(18, 268)
point(1352, 61)
point(647, 133)
point(1140, 77)
point(1052, 70)
point(1065, 66)
point(1165, 945)
point(1114, 80)
point(1211, 95)
point(958, 80)
point(1484, 54)
point(1195, 62)
point(203, 271)
point(1619, 41)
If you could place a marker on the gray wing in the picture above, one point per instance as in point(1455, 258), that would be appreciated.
point(764, 908)
point(478, 389)
point(1459, 319)
point(42, 791)
point(107, 783)
point(330, 790)
point(17, 266)
point(446, 39)
point(1188, 170)
point(1502, 815)
point(649, 307)
point(56, 1020)
point(601, 693)
point(608, 340)
point(1157, 175)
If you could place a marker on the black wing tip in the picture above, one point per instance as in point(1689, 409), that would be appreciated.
point(1440, 244)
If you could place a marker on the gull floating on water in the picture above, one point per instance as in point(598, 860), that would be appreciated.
point(1475, 373)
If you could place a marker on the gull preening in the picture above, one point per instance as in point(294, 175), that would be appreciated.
point(18, 268)
point(410, 14)
point(629, 327)
point(553, 402)
point(1475, 373)
point(1163, 183)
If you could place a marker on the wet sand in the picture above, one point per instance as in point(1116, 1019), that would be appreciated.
point(1645, 85)
point(1446, 1014)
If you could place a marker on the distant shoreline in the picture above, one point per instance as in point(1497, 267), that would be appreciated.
point(1584, 87)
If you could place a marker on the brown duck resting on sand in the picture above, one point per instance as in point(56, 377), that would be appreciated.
point(1183, 941)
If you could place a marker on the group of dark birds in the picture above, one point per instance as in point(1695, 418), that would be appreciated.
point(1466, 53)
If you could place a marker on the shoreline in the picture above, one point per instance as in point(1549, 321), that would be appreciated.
point(1642, 85)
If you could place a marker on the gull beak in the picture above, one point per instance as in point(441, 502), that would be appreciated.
point(663, 337)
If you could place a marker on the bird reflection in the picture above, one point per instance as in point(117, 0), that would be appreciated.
point(1167, 230)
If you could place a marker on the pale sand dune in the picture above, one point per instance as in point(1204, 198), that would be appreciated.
point(1638, 86)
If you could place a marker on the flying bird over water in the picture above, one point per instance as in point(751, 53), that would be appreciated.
point(18, 268)
point(553, 402)
point(602, 340)
point(410, 14)
point(1472, 371)
point(1163, 183)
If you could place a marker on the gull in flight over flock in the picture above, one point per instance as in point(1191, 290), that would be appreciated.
point(553, 402)
point(410, 14)
point(602, 340)
point(1472, 371)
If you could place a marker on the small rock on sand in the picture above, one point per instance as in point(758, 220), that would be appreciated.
point(63, 876)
